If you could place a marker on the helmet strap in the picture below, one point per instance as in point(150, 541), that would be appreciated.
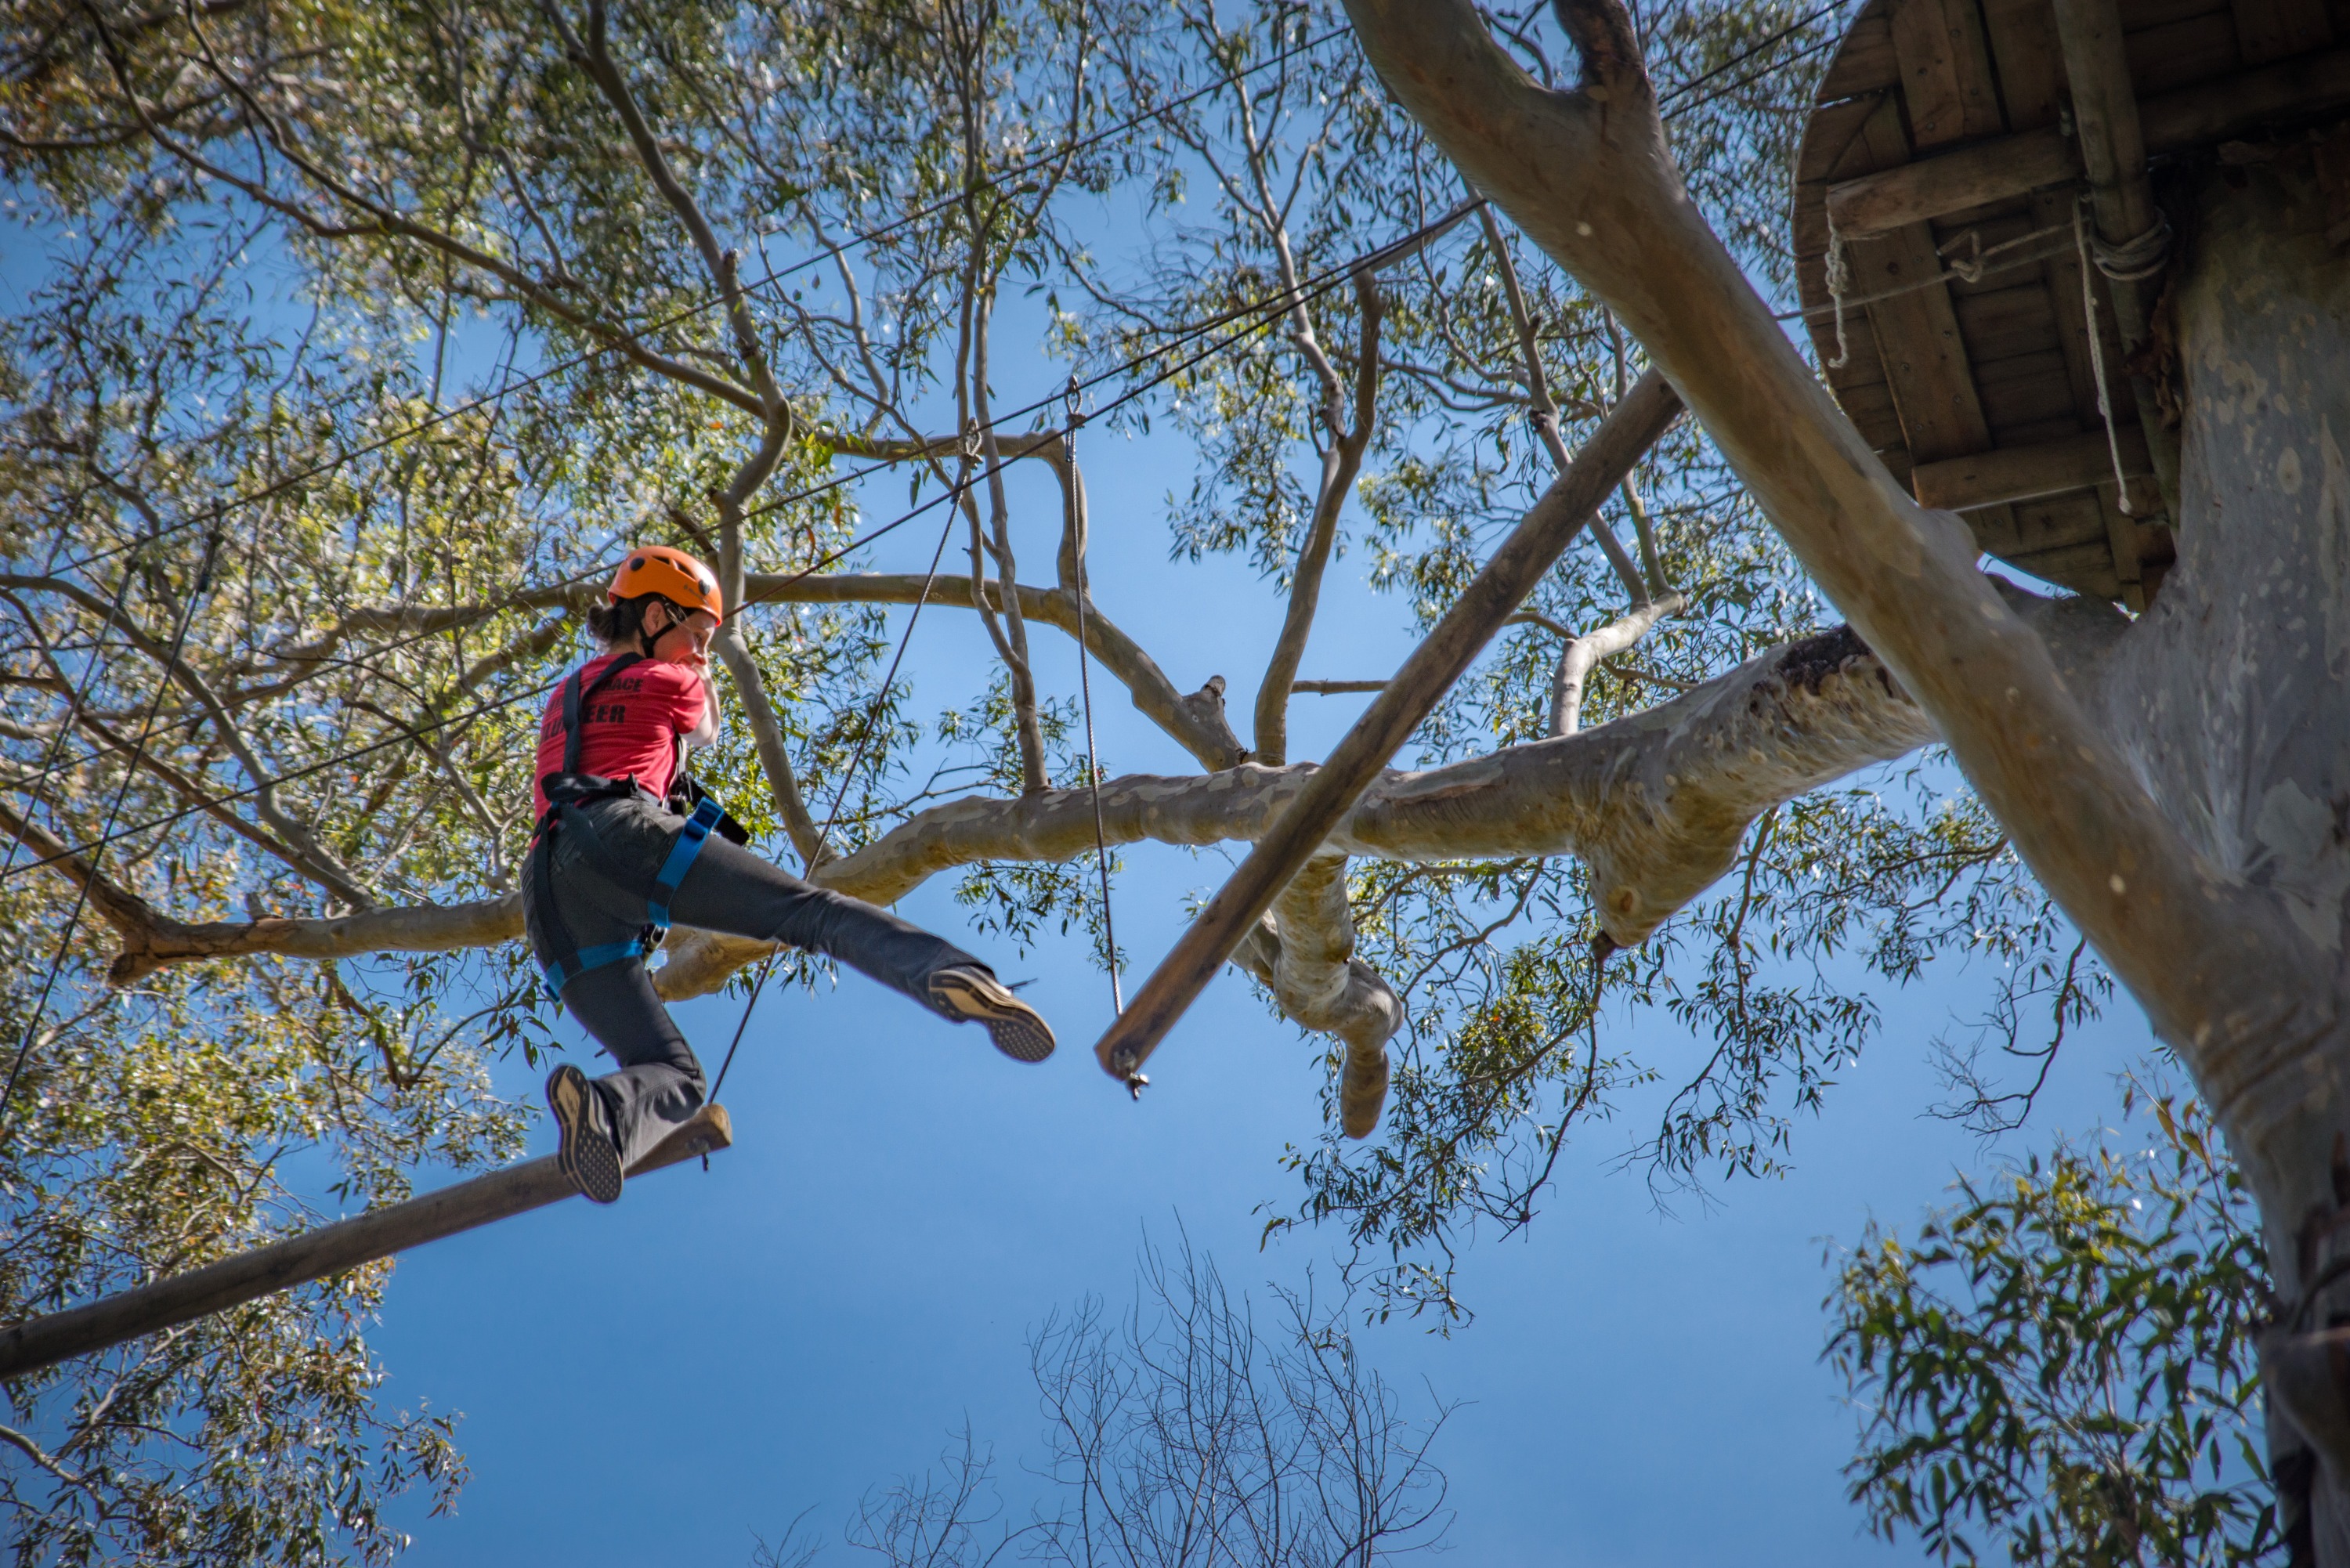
point(652, 640)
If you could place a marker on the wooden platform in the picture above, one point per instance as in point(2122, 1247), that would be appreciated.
point(1941, 131)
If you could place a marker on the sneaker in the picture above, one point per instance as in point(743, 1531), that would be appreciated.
point(973, 995)
point(586, 1153)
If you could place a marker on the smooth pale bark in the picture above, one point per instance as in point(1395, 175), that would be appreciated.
point(2190, 820)
point(1588, 177)
point(1579, 656)
point(1485, 604)
point(1654, 803)
point(1302, 948)
point(2232, 699)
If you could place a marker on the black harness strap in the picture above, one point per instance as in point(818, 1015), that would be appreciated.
point(569, 789)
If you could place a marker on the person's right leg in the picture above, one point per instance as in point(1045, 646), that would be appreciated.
point(732, 891)
point(660, 1082)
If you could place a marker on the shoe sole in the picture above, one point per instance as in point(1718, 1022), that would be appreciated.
point(585, 1154)
point(1018, 1029)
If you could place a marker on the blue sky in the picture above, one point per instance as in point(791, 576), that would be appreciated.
point(656, 1382)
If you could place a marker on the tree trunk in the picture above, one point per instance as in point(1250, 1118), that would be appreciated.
point(2191, 817)
point(2231, 698)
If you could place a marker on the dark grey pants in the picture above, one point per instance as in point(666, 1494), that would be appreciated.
point(730, 891)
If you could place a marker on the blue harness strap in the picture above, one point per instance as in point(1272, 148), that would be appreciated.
point(681, 856)
point(566, 791)
point(563, 971)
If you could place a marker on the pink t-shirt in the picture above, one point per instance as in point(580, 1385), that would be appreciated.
point(629, 730)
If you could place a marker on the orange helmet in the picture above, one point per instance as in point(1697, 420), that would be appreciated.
point(672, 573)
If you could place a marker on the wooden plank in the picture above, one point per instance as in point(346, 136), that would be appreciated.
point(2002, 323)
point(1870, 408)
point(1916, 332)
point(2164, 58)
point(2274, 29)
point(1809, 223)
point(1633, 426)
point(1946, 77)
point(2055, 522)
point(2023, 36)
point(2085, 568)
point(1828, 151)
point(1864, 61)
point(2026, 473)
point(2121, 537)
point(1930, 187)
point(1917, 339)
point(330, 1250)
point(1862, 367)
point(2024, 390)
point(2014, 165)
point(2138, 15)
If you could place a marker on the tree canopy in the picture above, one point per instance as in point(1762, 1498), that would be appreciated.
point(350, 345)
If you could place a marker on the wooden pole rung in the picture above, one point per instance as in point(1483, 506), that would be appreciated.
point(330, 1250)
point(1637, 423)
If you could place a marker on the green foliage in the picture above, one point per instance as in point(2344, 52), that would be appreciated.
point(439, 429)
point(2062, 1369)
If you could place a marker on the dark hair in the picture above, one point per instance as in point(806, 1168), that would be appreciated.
point(623, 620)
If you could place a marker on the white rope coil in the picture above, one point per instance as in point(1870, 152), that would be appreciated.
point(1839, 279)
point(2133, 261)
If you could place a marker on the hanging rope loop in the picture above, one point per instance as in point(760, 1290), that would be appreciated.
point(2082, 244)
point(1839, 279)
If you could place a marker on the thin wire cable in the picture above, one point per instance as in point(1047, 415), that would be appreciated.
point(1272, 306)
point(1772, 42)
point(1305, 291)
point(1079, 534)
point(82, 886)
point(75, 699)
point(855, 759)
point(772, 277)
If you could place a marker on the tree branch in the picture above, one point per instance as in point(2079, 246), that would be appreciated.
point(1196, 723)
point(315, 861)
point(1302, 950)
point(1341, 462)
point(1588, 176)
point(1579, 656)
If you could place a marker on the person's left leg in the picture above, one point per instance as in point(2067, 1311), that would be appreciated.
point(732, 891)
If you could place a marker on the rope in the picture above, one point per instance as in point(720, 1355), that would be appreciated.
point(2098, 347)
point(2133, 261)
point(130, 771)
point(1078, 539)
point(1839, 278)
point(74, 705)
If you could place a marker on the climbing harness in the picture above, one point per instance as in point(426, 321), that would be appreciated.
point(568, 791)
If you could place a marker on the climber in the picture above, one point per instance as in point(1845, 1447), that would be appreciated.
point(626, 843)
